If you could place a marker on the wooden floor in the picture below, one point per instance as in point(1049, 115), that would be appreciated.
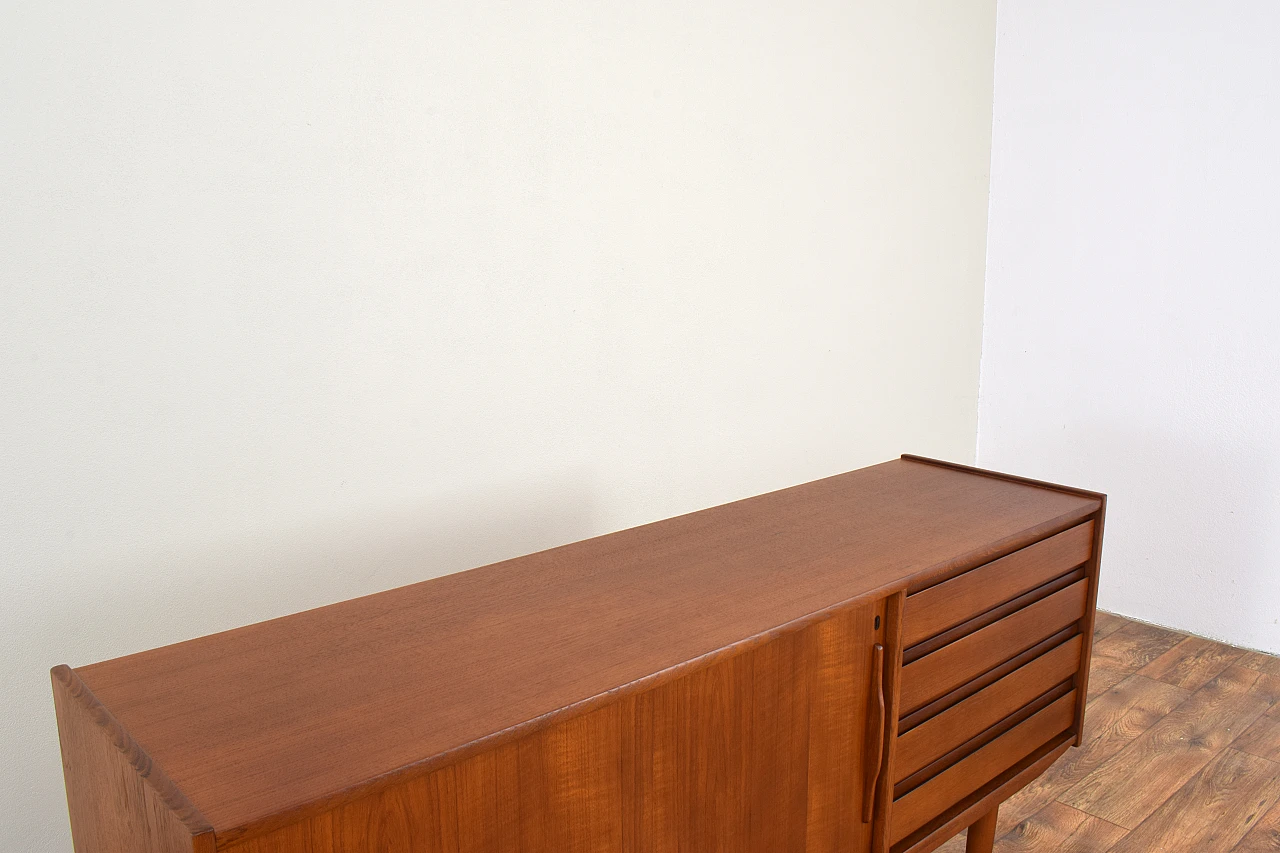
point(1181, 753)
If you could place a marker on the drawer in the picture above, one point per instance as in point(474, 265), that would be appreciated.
point(933, 676)
point(951, 603)
point(939, 736)
point(967, 778)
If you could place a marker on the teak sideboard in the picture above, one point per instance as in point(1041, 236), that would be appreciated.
point(869, 662)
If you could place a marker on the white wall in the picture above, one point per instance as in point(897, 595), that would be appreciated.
point(302, 303)
point(1133, 293)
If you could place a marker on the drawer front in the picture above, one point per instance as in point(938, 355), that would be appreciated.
point(937, 739)
point(971, 775)
point(938, 673)
point(952, 603)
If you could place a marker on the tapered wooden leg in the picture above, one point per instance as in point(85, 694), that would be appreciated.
point(982, 833)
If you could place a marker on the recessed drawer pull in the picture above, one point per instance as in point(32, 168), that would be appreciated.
point(937, 706)
point(977, 623)
point(937, 674)
point(952, 602)
point(974, 744)
point(950, 787)
point(937, 736)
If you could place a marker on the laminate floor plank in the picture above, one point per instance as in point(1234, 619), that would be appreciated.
point(1192, 663)
point(1182, 742)
point(1262, 738)
point(1125, 651)
point(1265, 835)
point(1138, 779)
point(1063, 829)
point(1213, 811)
point(1262, 662)
point(1111, 722)
point(1268, 687)
point(1105, 624)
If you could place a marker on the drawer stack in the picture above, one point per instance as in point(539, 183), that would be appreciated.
point(989, 677)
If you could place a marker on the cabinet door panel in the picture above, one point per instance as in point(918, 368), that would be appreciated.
point(761, 752)
point(840, 651)
point(692, 760)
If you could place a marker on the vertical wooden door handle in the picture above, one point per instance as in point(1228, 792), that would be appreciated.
point(875, 733)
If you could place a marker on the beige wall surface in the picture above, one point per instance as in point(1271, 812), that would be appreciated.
point(301, 302)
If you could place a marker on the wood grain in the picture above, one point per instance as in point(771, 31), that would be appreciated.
point(570, 783)
point(757, 753)
point(783, 679)
point(1192, 663)
point(1265, 835)
point(936, 674)
point(975, 744)
point(993, 615)
point(557, 634)
point(946, 605)
point(1093, 572)
point(1114, 720)
point(933, 739)
point(1172, 751)
point(991, 676)
point(1004, 475)
point(935, 797)
point(1105, 624)
point(559, 789)
point(1125, 651)
point(1061, 829)
point(1034, 820)
point(1267, 688)
point(947, 831)
point(1212, 811)
point(892, 638)
point(118, 800)
point(1269, 664)
point(981, 834)
point(1262, 738)
point(838, 710)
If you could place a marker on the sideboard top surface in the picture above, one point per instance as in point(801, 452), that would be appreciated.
point(283, 715)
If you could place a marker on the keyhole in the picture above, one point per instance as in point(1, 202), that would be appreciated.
point(877, 623)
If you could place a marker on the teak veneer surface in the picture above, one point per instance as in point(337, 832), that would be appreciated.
point(312, 708)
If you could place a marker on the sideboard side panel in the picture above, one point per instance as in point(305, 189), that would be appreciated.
point(113, 807)
point(1093, 569)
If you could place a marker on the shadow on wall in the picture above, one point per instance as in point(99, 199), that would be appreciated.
point(274, 573)
point(1193, 533)
point(137, 602)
